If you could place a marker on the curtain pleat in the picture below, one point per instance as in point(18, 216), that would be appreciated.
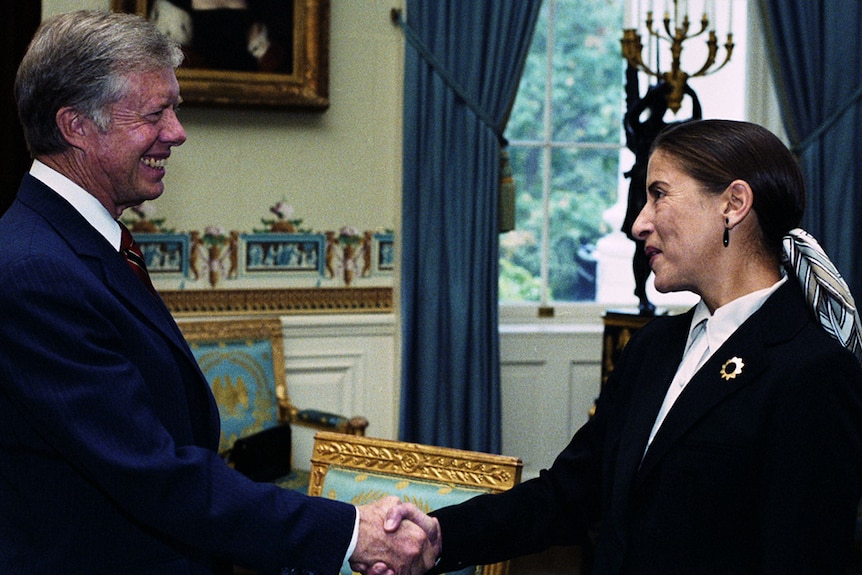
point(817, 47)
point(450, 345)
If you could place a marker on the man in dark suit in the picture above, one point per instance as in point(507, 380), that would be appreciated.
point(108, 430)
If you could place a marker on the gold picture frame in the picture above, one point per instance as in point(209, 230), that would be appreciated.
point(303, 85)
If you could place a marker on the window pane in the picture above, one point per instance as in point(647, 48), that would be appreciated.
point(525, 122)
point(584, 186)
point(588, 71)
point(567, 152)
point(521, 249)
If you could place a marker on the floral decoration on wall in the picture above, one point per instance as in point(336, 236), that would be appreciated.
point(142, 220)
point(284, 222)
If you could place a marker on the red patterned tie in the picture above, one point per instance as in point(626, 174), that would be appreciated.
point(135, 258)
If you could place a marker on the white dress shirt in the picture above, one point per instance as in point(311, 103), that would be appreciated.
point(83, 201)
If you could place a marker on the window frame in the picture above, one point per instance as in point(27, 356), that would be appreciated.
point(763, 110)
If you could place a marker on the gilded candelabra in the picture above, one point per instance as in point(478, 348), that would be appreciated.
point(676, 32)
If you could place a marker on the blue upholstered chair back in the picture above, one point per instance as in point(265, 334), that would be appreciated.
point(361, 470)
point(243, 362)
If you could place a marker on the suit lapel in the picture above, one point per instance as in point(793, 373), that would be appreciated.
point(108, 266)
point(736, 364)
point(708, 388)
point(104, 261)
point(648, 396)
point(656, 367)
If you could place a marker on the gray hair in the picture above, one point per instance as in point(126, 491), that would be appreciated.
point(81, 59)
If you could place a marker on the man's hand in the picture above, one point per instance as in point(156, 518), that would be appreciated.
point(409, 544)
point(395, 515)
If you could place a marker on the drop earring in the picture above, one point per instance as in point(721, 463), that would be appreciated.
point(726, 239)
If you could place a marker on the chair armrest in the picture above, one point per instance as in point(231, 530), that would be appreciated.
point(329, 421)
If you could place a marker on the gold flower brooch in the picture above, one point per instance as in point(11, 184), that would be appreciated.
point(731, 368)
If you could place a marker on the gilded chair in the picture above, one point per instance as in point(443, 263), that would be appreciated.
point(360, 470)
point(243, 361)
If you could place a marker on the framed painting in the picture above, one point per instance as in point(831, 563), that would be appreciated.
point(251, 53)
point(385, 252)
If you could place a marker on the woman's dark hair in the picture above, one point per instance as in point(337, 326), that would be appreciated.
point(717, 152)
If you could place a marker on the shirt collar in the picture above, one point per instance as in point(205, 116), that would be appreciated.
point(84, 203)
point(730, 316)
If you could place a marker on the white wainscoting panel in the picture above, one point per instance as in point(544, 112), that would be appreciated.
point(343, 364)
point(550, 377)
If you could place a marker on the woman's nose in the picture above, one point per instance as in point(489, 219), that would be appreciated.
point(642, 225)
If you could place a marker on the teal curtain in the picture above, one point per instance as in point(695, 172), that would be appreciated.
point(463, 61)
point(817, 45)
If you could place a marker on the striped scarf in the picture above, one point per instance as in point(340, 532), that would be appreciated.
point(826, 291)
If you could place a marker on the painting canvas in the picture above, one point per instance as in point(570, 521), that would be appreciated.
point(265, 53)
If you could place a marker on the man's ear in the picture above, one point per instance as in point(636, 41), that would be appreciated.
point(740, 201)
point(73, 125)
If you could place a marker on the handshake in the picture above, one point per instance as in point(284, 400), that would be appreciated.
point(395, 538)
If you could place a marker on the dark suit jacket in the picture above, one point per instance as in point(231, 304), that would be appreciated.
point(108, 430)
point(758, 473)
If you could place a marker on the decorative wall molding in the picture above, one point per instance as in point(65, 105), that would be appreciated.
point(279, 301)
point(281, 253)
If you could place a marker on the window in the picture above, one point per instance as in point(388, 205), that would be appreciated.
point(568, 155)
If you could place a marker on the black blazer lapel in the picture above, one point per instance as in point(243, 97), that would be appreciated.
point(656, 366)
point(640, 379)
point(657, 356)
point(707, 389)
point(739, 362)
